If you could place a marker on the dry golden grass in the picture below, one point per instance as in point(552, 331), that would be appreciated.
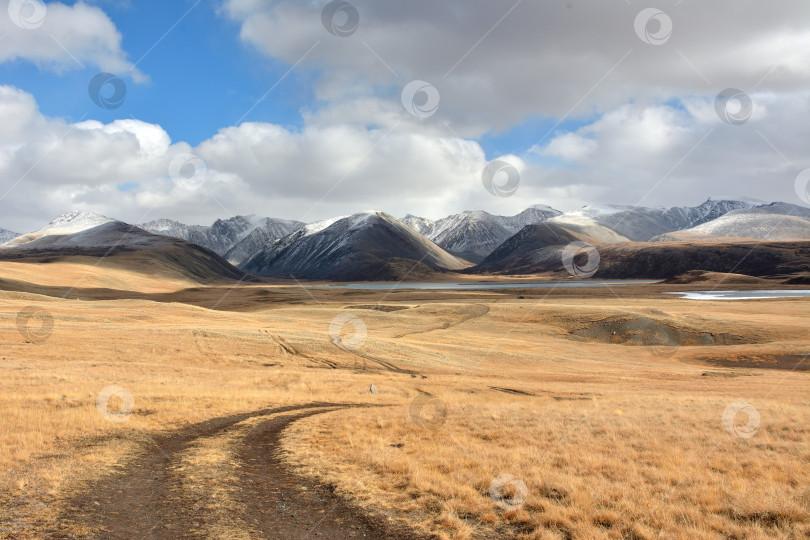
point(616, 442)
point(622, 466)
point(91, 274)
point(611, 441)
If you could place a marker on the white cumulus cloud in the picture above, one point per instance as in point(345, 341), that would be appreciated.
point(62, 37)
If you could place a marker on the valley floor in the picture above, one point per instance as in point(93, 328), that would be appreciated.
point(248, 412)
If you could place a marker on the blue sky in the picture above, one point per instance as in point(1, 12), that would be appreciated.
point(201, 76)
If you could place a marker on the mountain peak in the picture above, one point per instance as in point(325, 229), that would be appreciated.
point(361, 218)
point(479, 214)
point(353, 221)
point(76, 221)
point(718, 198)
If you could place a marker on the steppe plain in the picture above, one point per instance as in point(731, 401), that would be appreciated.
point(138, 406)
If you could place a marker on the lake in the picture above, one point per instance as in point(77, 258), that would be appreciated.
point(489, 285)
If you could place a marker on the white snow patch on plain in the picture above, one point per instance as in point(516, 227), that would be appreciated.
point(741, 295)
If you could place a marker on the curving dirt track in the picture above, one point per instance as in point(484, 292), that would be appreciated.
point(468, 313)
point(145, 500)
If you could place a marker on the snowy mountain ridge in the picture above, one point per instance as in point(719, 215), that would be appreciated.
point(223, 235)
point(349, 247)
point(639, 223)
point(474, 234)
point(5, 236)
point(76, 229)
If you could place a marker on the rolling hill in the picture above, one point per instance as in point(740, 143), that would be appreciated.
point(92, 239)
point(664, 260)
point(744, 224)
point(539, 248)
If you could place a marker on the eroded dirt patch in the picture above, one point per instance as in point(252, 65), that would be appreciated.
point(637, 330)
point(790, 362)
point(511, 391)
point(379, 307)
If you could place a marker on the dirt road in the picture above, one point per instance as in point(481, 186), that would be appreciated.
point(467, 313)
point(147, 501)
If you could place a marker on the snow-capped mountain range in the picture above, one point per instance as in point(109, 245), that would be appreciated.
point(639, 223)
point(373, 243)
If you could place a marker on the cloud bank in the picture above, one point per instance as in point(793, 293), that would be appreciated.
point(647, 129)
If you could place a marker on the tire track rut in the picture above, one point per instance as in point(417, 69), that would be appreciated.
point(292, 351)
point(468, 313)
point(282, 505)
point(145, 500)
